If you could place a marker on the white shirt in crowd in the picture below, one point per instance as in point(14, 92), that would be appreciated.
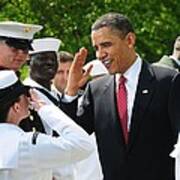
point(65, 172)
point(176, 154)
point(24, 156)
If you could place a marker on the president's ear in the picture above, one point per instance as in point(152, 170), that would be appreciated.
point(131, 39)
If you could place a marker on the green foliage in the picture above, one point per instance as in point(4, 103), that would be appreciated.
point(156, 21)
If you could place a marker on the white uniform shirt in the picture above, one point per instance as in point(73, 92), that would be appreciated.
point(89, 168)
point(21, 159)
point(30, 82)
point(66, 172)
point(176, 154)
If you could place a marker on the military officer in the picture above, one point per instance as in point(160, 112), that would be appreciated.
point(15, 42)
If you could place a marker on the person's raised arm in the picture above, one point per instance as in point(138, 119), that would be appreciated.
point(77, 76)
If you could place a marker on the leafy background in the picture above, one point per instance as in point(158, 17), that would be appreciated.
point(156, 21)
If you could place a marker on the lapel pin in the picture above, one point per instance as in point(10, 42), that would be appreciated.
point(145, 91)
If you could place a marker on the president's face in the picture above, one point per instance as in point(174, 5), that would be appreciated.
point(113, 50)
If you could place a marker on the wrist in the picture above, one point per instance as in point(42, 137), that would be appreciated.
point(71, 91)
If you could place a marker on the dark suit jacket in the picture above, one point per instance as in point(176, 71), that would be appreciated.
point(167, 61)
point(153, 125)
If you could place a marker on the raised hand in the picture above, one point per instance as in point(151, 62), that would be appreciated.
point(77, 76)
point(36, 102)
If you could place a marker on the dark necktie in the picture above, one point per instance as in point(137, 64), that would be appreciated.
point(122, 106)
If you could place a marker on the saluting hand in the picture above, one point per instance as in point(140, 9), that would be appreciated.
point(35, 101)
point(77, 76)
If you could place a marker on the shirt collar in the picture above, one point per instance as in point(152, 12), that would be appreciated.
point(175, 59)
point(55, 91)
point(30, 82)
point(132, 74)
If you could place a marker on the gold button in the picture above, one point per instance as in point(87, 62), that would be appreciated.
point(31, 118)
point(27, 29)
point(33, 129)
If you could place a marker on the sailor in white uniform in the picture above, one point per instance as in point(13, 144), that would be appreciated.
point(176, 154)
point(32, 155)
point(43, 67)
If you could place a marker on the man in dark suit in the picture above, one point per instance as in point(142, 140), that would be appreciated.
point(172, 61)
point(140, 149)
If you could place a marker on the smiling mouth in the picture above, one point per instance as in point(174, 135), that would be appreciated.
point(107, 63)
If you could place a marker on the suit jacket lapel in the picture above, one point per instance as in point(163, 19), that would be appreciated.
point(109, 93)
point(143, 97)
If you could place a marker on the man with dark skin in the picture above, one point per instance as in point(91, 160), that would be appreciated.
point(139, 147)
point(43, 67)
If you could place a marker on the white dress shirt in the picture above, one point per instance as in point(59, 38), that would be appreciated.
point(132, 77)
point(21, 159)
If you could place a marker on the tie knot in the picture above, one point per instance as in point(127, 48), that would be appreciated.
point(122, 80)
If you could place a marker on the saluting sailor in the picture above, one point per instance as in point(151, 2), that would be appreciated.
point(32, 155)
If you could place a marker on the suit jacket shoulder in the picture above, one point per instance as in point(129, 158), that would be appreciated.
point(101, 83)
point(163, 72)
point(167, 62)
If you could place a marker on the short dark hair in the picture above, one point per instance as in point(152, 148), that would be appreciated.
point(115, 21)
point(65, 56)
point(4, 110)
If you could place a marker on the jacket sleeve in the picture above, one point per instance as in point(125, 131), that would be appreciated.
point(81, 110)
point(43, 151)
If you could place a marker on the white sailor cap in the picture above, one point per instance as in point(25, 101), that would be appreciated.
point(18, 30)
point(10, 87)
point(18, 35)
point(45, 45)
point(98, 68)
